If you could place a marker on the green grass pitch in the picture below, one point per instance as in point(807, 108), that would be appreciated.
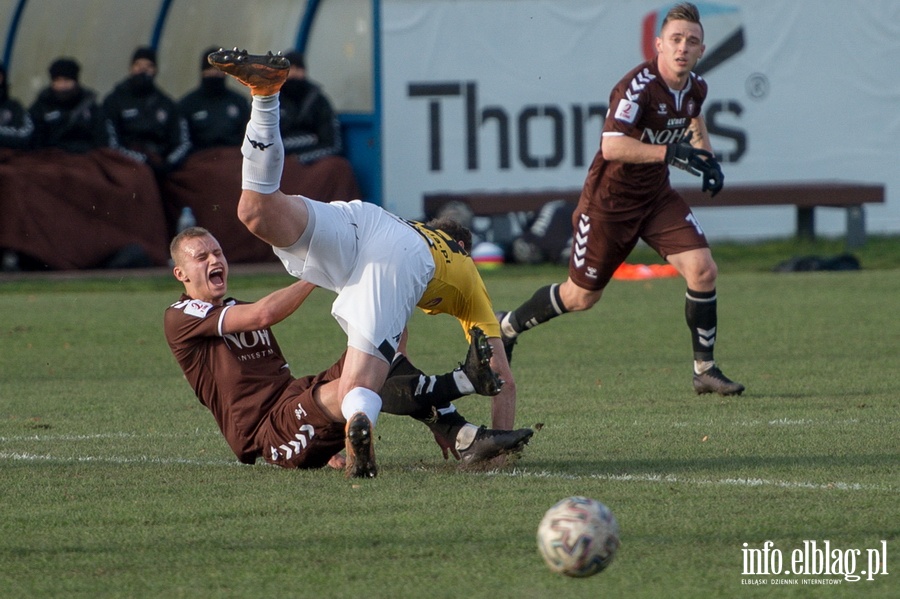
point(114, 480)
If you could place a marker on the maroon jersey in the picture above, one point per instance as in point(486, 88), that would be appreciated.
point(641, 106)
point(238, 376)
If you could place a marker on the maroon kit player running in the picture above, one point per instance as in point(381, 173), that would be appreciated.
point(235, 366)
point(654, 121)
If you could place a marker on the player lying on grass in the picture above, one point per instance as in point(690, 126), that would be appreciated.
point(380, 266)
point(232, 360)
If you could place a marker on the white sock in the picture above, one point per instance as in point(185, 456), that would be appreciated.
point(360, 399)
point(463, 384)
point(263, 149)
point(465, 436)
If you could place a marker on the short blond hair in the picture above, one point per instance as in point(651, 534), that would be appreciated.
point(189, 233)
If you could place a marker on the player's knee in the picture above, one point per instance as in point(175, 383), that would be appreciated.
point(704, 276)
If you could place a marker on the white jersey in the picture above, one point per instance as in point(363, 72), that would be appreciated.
point(377, 264)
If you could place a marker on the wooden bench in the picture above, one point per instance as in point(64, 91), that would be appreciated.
point(805, 196)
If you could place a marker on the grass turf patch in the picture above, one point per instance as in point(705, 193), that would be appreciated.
point(115, 481)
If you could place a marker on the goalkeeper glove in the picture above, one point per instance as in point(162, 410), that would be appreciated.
point(713, 178)
point(686, 157)
point(698, 163)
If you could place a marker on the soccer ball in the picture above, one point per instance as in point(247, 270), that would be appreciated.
point(578, 537)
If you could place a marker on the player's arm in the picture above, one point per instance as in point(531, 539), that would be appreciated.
point(268, 311)
point(503, 405)
point(624, 148)
point(699, 134)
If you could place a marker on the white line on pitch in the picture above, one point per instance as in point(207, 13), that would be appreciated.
point(95, 436)
point(31, 457)
point(672, 479)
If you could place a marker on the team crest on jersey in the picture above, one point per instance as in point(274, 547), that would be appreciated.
point(197, 308)
point(627, 111)
point(691, 107)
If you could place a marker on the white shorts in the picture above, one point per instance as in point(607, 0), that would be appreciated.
point(377, 264)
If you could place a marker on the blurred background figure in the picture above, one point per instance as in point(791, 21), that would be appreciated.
point(309, 126)
point(146, 123)
point(72, 201)
point(66, 114)
point(16, 126)
point(216, 115)
point(16, 129)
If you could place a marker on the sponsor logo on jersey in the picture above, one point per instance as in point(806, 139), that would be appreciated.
point(626, 111)
point(197, 308)
point(250, 340)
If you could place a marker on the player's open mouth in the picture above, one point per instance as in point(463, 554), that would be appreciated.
point(217, 276)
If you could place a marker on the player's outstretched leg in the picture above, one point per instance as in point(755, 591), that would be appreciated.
point(263, 74)
point(490, 443)
point(360, 451)
point(473, 445)
point(478, 365)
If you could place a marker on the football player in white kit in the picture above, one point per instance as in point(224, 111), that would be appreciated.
point(379, 265)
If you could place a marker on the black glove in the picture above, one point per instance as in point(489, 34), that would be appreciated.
point(686, 157)
point(713, 178)
point(698, 163)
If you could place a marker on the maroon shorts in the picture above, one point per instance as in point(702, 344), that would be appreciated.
point(600, 244)
point(297, 433)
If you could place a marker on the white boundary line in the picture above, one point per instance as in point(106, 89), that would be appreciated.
point(32, 457)
point(515, 473)
point(669, 479)
point(96, 436)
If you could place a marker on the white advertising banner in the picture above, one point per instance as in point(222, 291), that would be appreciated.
point(491, 95)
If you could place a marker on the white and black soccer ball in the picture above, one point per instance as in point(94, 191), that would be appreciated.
point(578, 537)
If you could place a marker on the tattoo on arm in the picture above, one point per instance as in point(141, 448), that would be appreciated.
point(697, 136)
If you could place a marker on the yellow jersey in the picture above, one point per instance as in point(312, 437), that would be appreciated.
point(456, 288)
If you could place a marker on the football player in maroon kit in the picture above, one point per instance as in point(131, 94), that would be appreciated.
point(653, 121)
point(380, 267)
point(235, 366)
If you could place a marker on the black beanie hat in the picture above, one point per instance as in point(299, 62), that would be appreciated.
point(64, 67)
point(144, 52)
